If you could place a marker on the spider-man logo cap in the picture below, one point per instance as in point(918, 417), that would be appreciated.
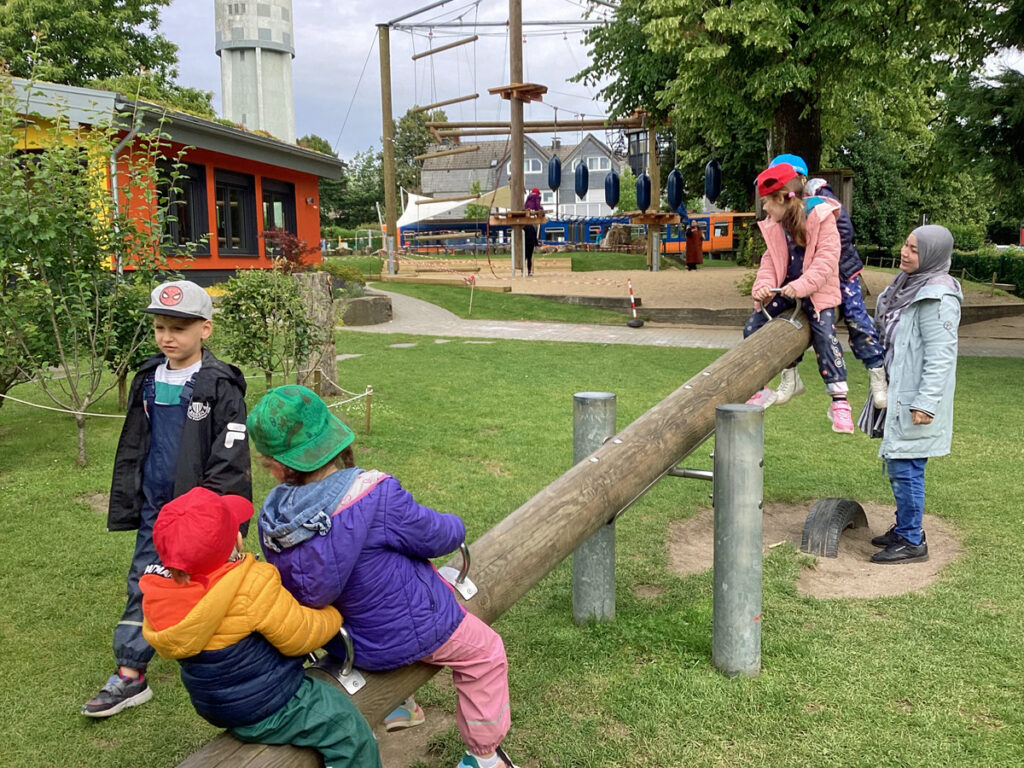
point(181, 298)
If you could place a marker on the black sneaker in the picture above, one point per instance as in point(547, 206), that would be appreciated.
point(887, 538)
point(902, 551)
point(119, 693)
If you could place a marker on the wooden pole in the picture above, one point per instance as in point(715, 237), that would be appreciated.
point(517, 184)
point(521, 550)
point(445, 152)
point(448, 47)
point(654, 171)
point(388, 141)
point(445, 103)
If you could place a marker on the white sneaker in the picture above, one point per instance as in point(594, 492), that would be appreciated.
point(789, 387)
point(879, 387)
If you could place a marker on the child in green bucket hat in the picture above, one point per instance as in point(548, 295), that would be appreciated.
point(357, 540)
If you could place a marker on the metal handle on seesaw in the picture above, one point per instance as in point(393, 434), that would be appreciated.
point(791, 319)
point(460, 579)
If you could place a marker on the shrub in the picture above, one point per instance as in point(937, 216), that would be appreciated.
point(968, 235)
point(346, 278)
point(750, 247)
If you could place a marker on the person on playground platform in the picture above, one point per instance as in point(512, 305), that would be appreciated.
point(863, 336)
point(918, 317)
point(800, 264)
point(357, 540)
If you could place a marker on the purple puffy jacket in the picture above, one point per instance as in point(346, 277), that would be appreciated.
point(358, 541)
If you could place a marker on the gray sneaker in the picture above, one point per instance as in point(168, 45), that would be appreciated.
point(116, 695)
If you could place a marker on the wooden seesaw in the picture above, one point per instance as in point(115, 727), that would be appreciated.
point(519, 551)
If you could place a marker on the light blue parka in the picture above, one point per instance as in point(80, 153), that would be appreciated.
point(922, 375)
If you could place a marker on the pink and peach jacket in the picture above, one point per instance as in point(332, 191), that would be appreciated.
point(820, 278)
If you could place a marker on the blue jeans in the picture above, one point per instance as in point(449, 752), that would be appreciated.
point(907, 479)
point(130, 647)
point(863, 335)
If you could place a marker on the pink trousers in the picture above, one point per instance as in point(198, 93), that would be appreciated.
point(476, 657)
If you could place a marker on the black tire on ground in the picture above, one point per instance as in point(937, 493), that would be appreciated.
point(826, 522)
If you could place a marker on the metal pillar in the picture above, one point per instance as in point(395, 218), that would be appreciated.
point(738, 489)
point(593, 562)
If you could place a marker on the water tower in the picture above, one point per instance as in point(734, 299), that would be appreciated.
point(254, 42)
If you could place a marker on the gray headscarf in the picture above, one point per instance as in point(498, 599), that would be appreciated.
point(935, 254)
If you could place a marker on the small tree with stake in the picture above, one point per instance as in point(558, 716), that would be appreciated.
point(62, 233)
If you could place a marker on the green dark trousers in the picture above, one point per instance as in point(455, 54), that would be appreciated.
point(322, 717)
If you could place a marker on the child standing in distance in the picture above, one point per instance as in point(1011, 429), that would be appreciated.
point(357, 540)
point(801, 264)
point(863, 336)
point(918, 317)
point(241, 638)
point(185, 427)
point(533, 203)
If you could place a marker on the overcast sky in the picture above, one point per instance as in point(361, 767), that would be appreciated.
point(334, 37)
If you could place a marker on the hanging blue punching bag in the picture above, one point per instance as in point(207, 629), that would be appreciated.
point(643, 191)
point(582, 180)
point(712, 179)
point(554, 174)
point(611, 189)
point(674, 189)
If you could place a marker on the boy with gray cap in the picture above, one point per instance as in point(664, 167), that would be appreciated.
point(185, 427)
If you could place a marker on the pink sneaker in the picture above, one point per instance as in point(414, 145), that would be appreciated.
point(842, 418)
point(764, 398)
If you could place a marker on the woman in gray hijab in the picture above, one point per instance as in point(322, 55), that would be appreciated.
point(917, 318)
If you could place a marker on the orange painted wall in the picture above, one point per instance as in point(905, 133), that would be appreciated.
point(307, 214)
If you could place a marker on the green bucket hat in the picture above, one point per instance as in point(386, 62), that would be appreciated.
point(292, 425)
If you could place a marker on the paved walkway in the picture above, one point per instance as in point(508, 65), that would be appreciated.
point(993, 338)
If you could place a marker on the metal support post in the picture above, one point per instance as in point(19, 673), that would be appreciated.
point(738, 490)
point(593, 562)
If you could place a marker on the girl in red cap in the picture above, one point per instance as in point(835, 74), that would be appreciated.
point(530, 231)
point(801, 265)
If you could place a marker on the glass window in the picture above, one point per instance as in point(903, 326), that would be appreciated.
point(547, 198)
point(599, 163)
point(236, 214)
point(279, 205)
point(182, 189)
point(555, 234)
point(721, 228)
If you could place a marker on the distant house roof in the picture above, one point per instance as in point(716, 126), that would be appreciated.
point(90, 106)
point(489, 155)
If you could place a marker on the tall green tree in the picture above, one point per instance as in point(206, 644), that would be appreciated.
point(983, 129)
point(332, 191)
point(754, 78)
point(413, 138)
point(78, 42)
point(364, 188)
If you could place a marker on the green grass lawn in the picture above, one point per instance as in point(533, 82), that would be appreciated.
point(492, 305)
point(929, 679)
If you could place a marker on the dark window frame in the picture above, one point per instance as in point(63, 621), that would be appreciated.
point(227, 184)
point(190, 185)
point(285, 192)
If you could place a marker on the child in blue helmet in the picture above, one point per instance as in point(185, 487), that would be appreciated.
point(863, 336)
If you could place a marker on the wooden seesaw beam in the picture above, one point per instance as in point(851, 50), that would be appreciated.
point(519, 551)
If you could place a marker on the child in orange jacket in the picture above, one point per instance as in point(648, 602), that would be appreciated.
point(241, 638)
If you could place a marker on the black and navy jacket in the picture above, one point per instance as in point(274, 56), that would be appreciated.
point(213, 450)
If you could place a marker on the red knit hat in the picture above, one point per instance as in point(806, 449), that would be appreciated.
point(774, 179)
point(534, 191)
point(196, 532)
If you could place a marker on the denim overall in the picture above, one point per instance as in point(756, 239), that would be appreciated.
point(158, 475)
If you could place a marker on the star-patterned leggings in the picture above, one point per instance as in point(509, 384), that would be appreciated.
point(827, 349)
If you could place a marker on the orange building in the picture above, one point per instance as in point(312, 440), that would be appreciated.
point(234, 184)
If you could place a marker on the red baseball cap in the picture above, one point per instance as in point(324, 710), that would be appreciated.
point(196, 532)
point(774, 179)
point(535, 191)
